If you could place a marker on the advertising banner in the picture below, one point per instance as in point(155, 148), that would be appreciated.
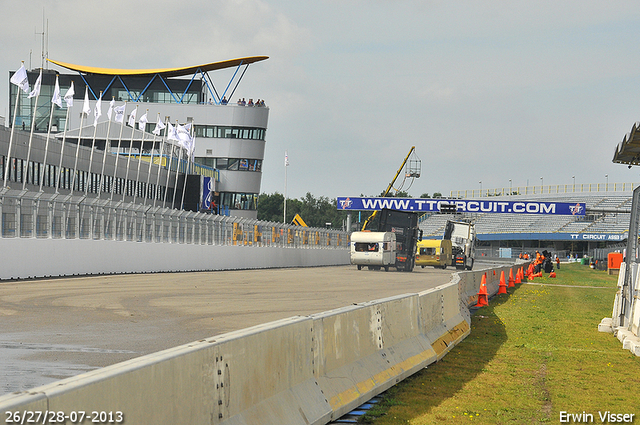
point(208, 187)
point(461, 205)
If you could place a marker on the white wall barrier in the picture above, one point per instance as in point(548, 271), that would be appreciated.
point(31, 257)
point(627, 332)
point(301, 370)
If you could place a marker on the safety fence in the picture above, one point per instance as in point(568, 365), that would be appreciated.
point(94, 219)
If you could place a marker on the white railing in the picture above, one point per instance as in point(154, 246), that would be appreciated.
point(24, 217)
point(582, 188)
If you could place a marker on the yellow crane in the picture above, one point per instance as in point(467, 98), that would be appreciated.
point(413, 171)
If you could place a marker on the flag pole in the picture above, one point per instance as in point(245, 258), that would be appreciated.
point(97, 115)
point(75, 165)
point(188, 168)
point(68, 100)
point(175, 187)
point(115, 167)
point(107, 147)
point(36, 89)
point(13, 126)
point(166, 185)
point(133, 130)
point(286, 164)
point(46, 145)
point(164, 197)
point(153, 192)
point(64, 138)
point(135, 195)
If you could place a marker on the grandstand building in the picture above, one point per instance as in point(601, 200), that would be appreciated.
point(230, 138)
point(605, 224)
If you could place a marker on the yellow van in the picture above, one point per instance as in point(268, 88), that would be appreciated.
point(434, 252)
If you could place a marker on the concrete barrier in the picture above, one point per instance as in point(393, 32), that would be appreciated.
point(624, 322)
point(301, 370)
point(30, 257)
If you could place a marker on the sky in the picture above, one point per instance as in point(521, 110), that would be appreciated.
point(491, 94)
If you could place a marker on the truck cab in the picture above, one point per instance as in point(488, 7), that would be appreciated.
point(463, 240)
point(405, 226)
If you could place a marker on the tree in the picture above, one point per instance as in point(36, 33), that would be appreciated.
point(316, 212)
point(271, 207)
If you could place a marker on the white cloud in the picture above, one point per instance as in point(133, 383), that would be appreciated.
point(486, 91)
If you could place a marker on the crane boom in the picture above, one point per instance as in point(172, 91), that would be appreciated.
point(373, 215)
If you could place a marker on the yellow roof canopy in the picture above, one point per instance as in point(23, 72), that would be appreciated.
point(164, 72)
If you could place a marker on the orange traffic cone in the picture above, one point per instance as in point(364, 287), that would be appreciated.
point(502, 289)
point(530, 270)
point(552, 274)
point(518, 278)
point(483, 295)
point(511, 281)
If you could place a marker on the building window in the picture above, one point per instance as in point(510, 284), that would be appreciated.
point(226, 132)
point(239, 201)
point(231, 164)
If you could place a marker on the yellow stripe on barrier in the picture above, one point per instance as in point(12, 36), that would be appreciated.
point(351, 394)
point(442, 344)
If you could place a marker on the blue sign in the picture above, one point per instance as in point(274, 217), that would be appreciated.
point(583, 237)
point(424, 205)
point(207, 193)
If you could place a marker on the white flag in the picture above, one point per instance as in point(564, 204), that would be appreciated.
point(97, 113)
point(86, 109)
point(159, 127)
point(56, 95)
point(119, 110)
point(185, 140)
point(286, 159)
point(68, 96)
point(20, 79)
point(110, 110)
point(132, 119)
point(171, 133)
point(36, 87)
point(142, 123)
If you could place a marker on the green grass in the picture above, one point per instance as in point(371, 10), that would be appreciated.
point(531, 354)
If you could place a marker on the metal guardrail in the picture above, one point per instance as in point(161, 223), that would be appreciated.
point(27, 216)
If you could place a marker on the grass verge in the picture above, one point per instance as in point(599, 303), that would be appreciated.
point(531, 354)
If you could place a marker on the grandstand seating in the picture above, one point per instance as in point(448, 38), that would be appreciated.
point(606, 213)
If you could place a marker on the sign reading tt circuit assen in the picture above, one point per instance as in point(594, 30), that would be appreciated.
point(462, 205)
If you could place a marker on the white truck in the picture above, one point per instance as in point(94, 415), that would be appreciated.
point(463, 242)
point(375, 250)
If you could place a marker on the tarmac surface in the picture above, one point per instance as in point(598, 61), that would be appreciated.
point(56, 328)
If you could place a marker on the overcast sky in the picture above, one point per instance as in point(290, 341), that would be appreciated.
point(486, 91)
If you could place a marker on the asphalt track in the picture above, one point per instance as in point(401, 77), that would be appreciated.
point(55, 328)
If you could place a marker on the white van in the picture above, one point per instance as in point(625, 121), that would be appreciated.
point(373, 249)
